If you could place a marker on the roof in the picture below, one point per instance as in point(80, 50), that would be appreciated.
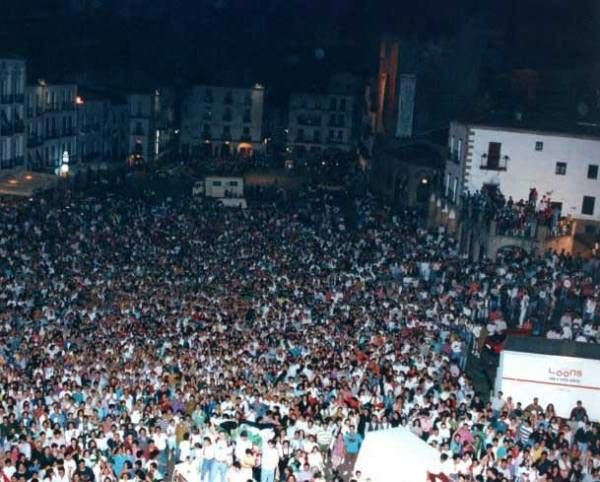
point(543, 126)
point(543, 346)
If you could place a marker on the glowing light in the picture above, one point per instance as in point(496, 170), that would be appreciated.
point(79, 100)
point(28, 177)
point(424, 180)
point(13, 182)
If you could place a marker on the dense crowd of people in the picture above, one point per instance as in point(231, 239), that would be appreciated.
point(519, 218)
point(265, 344)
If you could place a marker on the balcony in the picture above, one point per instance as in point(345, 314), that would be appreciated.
point(12, 162)
point(34, 141)
point(7, 130)
point(453, 157)
point(493, 163)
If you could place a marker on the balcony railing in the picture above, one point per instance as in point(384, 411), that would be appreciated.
point(34, 141)
point(7, 130)
point(493, 167)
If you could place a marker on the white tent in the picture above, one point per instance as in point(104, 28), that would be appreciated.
point(396, 455)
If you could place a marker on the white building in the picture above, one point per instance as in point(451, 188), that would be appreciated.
point(563, 167)
point(12, 113)
point(151, 126)
point(218, 120)
point(51, 124)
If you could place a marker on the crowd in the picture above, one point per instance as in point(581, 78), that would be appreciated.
point(519, 218)
point(264, 344)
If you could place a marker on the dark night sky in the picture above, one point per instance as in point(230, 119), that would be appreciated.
point(127, 42)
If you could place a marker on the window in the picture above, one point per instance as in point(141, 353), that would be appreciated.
point(233, 183)
point(593, 171)
point(491, 160)
point(561, 168)
point(317, 136)
point(539, 146)
point(332, 103)
point(343, 105)
point(216, 183)
point(340, 135)
point(459, 150)
point(590, 229)
point(587, 207)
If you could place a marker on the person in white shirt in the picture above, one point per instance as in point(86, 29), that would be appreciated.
point(208, 459)
point(241, 445)
point(185, 448)
point(60, 474)
point(220, 464)
point(270, 462)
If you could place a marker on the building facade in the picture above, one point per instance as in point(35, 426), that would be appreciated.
point(12, 113)
point(319, 122)
point(103, 128)
point(51, 125)
point(563, 167)
point(221, 121)
point(151, 127)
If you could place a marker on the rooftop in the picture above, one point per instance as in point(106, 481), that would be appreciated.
point(588, 128)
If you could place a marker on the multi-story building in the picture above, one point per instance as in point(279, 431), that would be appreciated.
point(12, 113)
point(51, 125)
point(318, 122)
point(151, 127)
point(561, 166)
point(222, 121)
point(103, 128)
point(326, 120)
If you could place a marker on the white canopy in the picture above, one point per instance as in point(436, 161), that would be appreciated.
point(396, 455)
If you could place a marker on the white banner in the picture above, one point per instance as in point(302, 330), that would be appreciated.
point(559, 380)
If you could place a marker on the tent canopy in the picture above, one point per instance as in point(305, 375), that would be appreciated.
point(396, 455)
